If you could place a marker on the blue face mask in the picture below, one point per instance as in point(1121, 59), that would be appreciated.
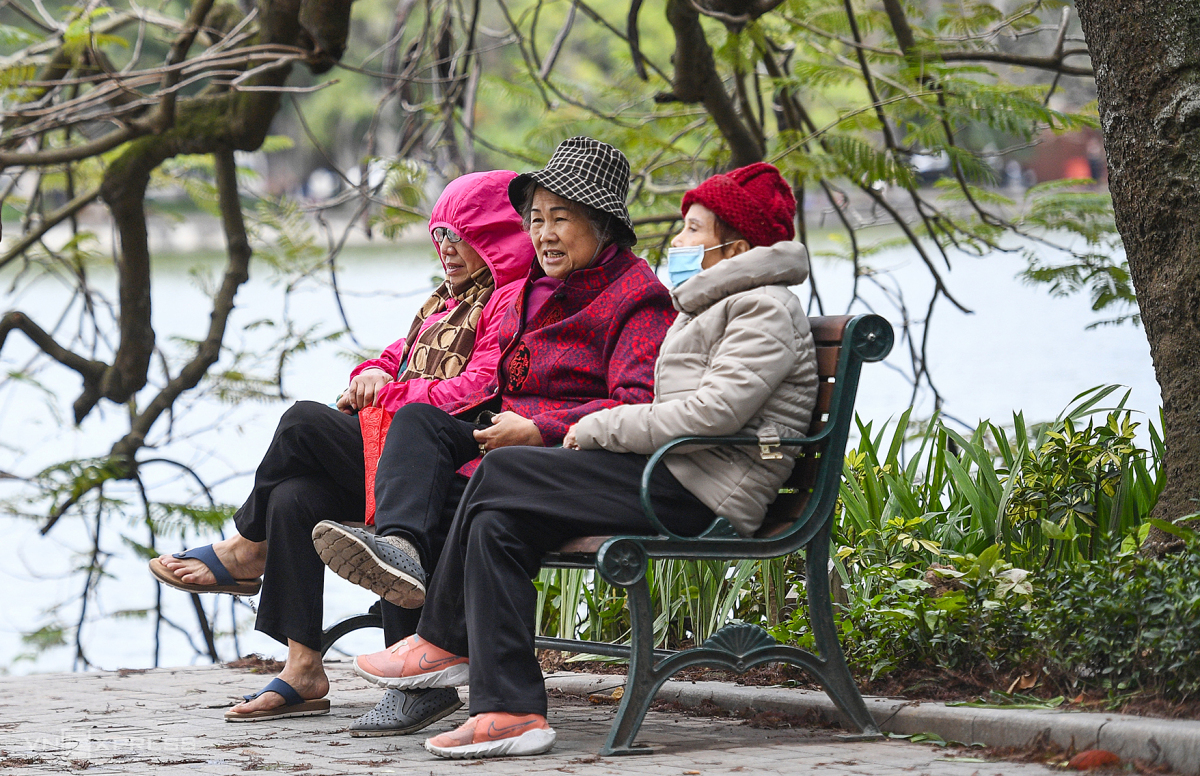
point(684, 263)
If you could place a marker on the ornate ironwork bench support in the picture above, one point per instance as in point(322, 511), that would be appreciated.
point(736, 647)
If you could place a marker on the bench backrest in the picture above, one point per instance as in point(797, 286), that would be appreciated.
point(828, 333)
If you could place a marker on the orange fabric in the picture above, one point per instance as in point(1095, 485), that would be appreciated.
point(374, 423)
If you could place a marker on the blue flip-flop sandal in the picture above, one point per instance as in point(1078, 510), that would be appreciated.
point(225, 582)
point(293, 705)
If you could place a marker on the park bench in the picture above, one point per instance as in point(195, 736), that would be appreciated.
point(800, 518)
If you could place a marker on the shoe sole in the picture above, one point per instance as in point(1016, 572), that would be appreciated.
point(243, 587)
point(413, 728)
point(455, 676)
point(351, 559)
point(528, 743)
point(307, 710)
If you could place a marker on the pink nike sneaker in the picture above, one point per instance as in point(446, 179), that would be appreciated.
point(495, 734)
point(413, 664)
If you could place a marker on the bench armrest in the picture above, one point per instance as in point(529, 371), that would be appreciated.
point(662, 452)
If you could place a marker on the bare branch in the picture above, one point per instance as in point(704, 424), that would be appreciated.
point(736, 22)
point(888, 138)
point(559, 40)
point(90, 370)
point(52, 156)
point(177, 53)
point(28, 16)
point(598, 19)
point(900, 26)
point(105, 27)
point(48, 223)
point(635, 49)
point(236, 273)
point(1054, 63)
point(697, 81)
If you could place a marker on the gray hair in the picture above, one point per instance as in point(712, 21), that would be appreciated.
point(602, 224)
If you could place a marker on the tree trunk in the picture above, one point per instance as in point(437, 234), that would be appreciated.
point(1147, 65)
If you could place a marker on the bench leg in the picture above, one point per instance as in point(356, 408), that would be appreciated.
point(835, 674)
point(642, 682)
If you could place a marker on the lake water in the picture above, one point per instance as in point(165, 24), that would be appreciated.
point(1020, 350)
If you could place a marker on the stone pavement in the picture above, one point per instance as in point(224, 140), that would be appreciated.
point(169, 721)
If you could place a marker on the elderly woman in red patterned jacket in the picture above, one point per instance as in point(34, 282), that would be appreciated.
point(739, 359)
point(583, 336)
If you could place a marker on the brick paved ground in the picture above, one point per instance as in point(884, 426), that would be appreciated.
point(168, 721)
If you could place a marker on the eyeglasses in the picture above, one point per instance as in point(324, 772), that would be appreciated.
point(442, 233)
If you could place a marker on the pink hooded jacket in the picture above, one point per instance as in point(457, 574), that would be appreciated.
point(475, 207)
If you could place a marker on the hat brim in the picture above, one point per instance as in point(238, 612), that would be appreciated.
point(574, 188)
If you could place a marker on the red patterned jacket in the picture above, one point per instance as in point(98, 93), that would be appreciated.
point(592, 345)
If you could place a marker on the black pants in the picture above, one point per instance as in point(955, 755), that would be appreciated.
point(521, 503)
point(417, 490)
point(313, 471)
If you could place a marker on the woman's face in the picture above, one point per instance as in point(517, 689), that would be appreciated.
point(562, 237)
point(700, 228)
point(460, 261)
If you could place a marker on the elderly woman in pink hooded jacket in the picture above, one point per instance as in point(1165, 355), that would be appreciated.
point(314, 468)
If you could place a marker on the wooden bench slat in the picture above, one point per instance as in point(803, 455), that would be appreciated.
point(829, 329)
point(583, 544)
point(827, 360)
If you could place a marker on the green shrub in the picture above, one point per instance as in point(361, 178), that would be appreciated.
point(1047, 494)
point(1124, 624)
point(1128, 626)
point(975, 613)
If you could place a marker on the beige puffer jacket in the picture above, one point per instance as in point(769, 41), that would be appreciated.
point(739, 359)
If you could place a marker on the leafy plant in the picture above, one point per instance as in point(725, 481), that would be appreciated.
point(1125, 626)
point(1044, 494)
point(987, 549)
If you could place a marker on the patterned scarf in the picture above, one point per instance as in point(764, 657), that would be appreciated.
point(443, 350)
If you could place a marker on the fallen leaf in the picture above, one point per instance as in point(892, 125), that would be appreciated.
point(616, 696)
point(1022, 682)
point(1093, 758)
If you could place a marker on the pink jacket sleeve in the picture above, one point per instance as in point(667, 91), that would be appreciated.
point(388, 361)
point(480, 371)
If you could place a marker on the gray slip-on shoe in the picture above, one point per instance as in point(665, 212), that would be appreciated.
point(373, 562)
point(406, 711)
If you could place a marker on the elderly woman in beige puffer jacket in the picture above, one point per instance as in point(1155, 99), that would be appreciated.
point(738, 359)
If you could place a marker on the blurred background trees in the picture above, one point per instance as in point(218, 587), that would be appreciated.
point(297, 127)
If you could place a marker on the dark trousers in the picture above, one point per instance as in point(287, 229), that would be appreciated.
point(417, 490)
point(313, 471)
point(521, 503)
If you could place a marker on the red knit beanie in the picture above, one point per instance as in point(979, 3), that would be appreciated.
point(755, 200)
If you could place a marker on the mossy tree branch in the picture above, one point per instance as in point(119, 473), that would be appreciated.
point(217, 124)
point(696, 80)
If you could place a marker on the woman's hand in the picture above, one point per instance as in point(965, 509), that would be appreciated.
point(363, 390)
point(508, 429)
point(569, 441)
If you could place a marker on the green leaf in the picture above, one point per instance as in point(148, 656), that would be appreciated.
point(1175, 529)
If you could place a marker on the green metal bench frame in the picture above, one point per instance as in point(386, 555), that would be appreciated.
point(800, 518)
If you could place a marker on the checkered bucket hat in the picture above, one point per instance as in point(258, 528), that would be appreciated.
point(586, 171)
